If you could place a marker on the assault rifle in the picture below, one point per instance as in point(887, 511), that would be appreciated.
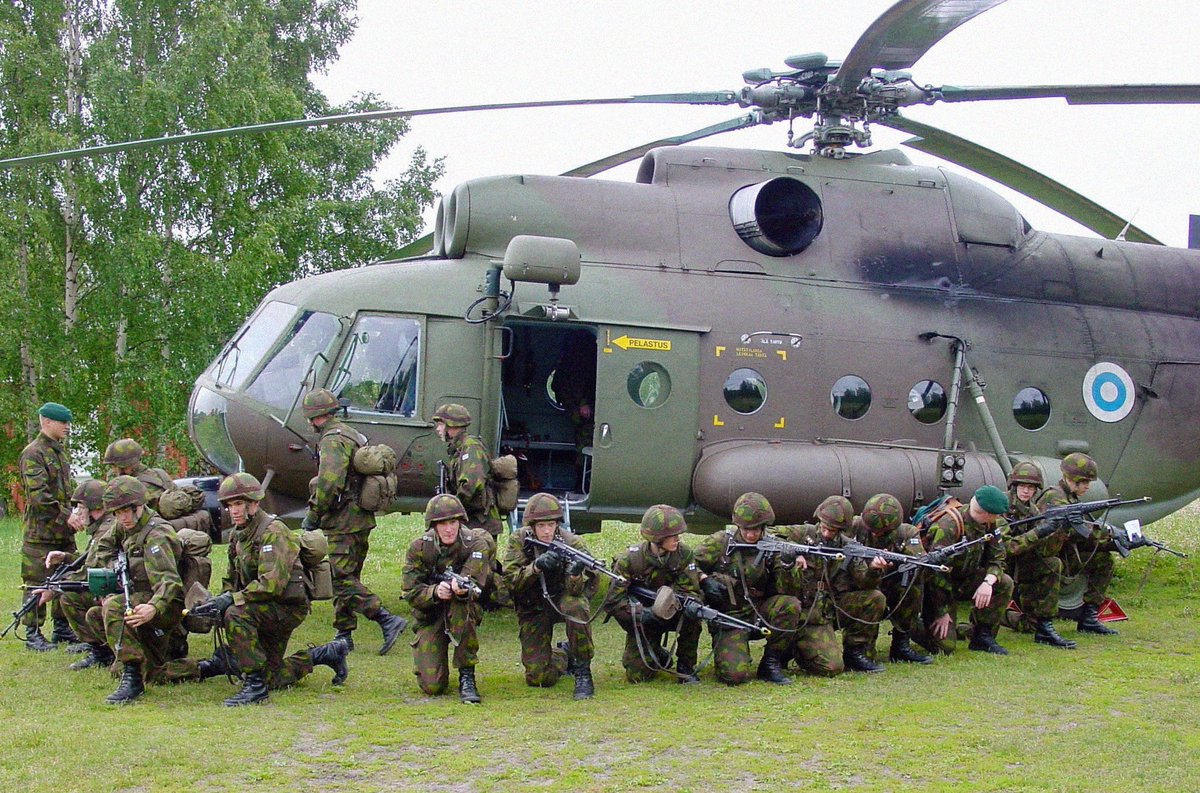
point(774, 545)
point(695, 608)
point(463, 581)
point(1131, 536)
point(938, 558)
point(1075, 515)
point(856, 550)
point(579, 557)
point(35, 592)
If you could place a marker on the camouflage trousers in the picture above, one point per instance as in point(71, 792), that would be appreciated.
point(1038, 579)
point(816, 650)
point(148, 645)
point(436, 629)
point(858, 614)
point(732, 648)
point(687, 646)
point(33, 572)
point(1095, 565)
point(78, 608)
point(347, 554)
point(537, 635)
point(989, 617)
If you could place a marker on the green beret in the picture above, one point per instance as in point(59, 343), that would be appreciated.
point(55, 412)
point(992, 499)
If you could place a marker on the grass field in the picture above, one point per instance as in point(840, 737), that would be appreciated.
point(1118, 714)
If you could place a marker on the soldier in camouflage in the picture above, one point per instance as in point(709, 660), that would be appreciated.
point(45, 471)
point(851, 586)
point(83, 609)
point(446, 612)
point(1033, 557)
point(660, 561)
point(1091, 556)
point(124, 458)
point(264, 600)
point(749, 585)
point(546, 589)
point(139, 630)
point(881, 526)
point(977, 574)
point(333, 508)
point(468, 468)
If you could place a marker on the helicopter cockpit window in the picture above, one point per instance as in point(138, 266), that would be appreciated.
point(745, 391)
point(851, 397)
point(310, 333)
point(378, 373)
point(927, 401)
point(649, 384)
point(1031, 408)
point(243, 355)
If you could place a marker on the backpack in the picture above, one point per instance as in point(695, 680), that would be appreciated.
point(376, 466)
point(195, 568)
point(935, 510)
point(181, 501)
point(503, 482)
point(318, 575)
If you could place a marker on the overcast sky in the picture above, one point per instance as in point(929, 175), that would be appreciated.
point(1134, 160)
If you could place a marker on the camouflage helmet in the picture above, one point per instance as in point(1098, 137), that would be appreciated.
point(90, 493)
point(320, 402)
point(124, 491)
point(453, 414)
point(882, 513)
point(662, 521)
point(1078, 466)
point(240, 485)
point(123, 453)
point(541, 506)
point(443, 507)
point(752, 511)
point(835, 512)
point(1026, 472)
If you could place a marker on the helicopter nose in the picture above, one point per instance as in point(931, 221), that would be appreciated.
point(207, 424)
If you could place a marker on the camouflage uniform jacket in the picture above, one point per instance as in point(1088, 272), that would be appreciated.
point(1060, 496)
point(153, 552)
point(1024, 539)
point(978, 561)
point(523, 578)
point(46, 483)
point(848, 575)
point(741, 571)
point(264, 563)
point(334, 499)
point(638, 564)
point(468, 468)
point(427, 557)
point(101, 548)
point(905, 539)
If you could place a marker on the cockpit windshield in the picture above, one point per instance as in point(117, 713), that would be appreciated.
point(378, 371)
point(242, 356)
point(308, 337)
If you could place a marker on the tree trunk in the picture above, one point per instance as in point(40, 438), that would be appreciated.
point(70, 199)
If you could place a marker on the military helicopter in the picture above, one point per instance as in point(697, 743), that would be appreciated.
point(802, 322)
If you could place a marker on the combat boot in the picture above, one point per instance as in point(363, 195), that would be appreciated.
point(903, 652)
point(332, 655)
point(346, 638)
point(687, 675)
point(572, 664)
point(856, 660)
point(98, 655)
point(467, 693)
point(983, 639)
point(35, 641)
point(220, 664)
point(62, 633)
point(770, 668)
point(584, 687)
point(1090, 622)
point(254, 689)
point(392, 626)
point(130, 687)
point(1044, 633)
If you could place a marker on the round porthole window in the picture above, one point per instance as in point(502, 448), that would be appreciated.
point(851, 397)
point(745, 391)
point(927, 401)
point(649, 384)
point(1031, 408)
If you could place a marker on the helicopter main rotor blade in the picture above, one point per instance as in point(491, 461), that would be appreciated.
point(902, 34)
point(1021, 178)
point(1131, 94)
point(424, 244)
point(694, 98)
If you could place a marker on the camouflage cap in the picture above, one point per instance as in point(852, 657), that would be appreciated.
point(123, 453)
point(836, 512)
point(240, 485)
point(992, 499)
point(443, 507)
point(541, 506)
point(1079, 466)
point(662, 521)
point(752, 510)
point(453, 414)
point(124, 491)
point(55, 412)
point(1025, 472)
point(90, 493)
point(320, 402)
point(882, 513)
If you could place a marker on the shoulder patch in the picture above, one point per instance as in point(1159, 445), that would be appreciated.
point(633, 547)
point(476, 554)
point(914, 540)
point(692, 566)
point(465, 455)
point(155, 549)
point(268, 548)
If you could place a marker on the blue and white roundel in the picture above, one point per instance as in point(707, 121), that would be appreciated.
point(1108, 392)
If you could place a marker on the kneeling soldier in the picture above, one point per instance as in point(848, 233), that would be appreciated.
point(1033, 557)
point(446, 609)
point(82, 609)
point(546, 589)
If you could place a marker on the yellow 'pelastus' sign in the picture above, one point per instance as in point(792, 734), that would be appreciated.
point(630, 343)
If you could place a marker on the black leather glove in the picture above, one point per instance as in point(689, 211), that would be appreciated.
point(549, 562)
point(788, 558)
point(577, 567)
point(1046, 528)
point(649, 618)
point(692, 608)
point(310, 522)
point(713, 589)
point(215, 607)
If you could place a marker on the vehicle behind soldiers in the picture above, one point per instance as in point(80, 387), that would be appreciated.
point(546, 589)
point(446, 612)
point(83, 609)
point(334, 509)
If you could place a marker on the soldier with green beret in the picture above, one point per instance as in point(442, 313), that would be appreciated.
point(45, 471)
point(83, 609)
point(661, 560)
point(444, 611)
point(333, 508)
point(1091, 556)
point(750, 585)
point(124, 458)
point(976, 575)
point(1033, 557)
point(546, 589)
